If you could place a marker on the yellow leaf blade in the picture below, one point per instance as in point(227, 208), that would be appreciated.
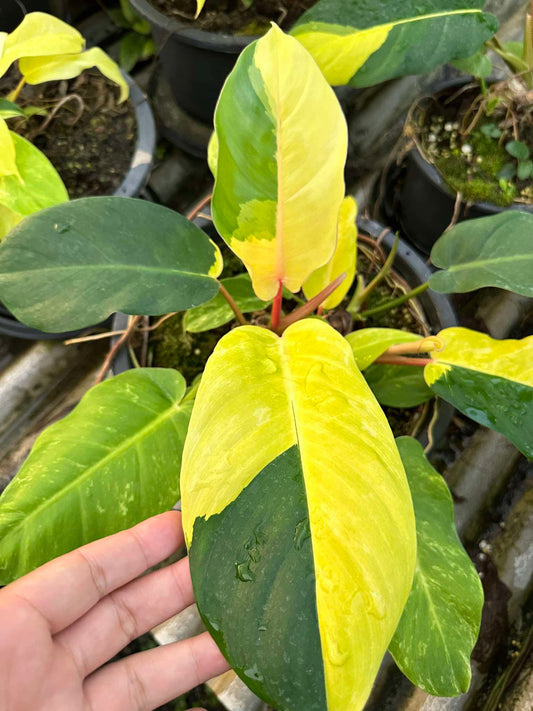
point(344, 259)
point(66, 66)
point(38, 35)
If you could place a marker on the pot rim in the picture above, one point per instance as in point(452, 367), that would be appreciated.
point(143, 154)
point(215, 41)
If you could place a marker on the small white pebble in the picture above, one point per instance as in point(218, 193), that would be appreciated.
point(197, 351)
point(448, 126)
point(432, 138)
point(485, 546)
point(466, 148)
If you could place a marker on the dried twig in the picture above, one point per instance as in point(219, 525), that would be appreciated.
point(116, 348)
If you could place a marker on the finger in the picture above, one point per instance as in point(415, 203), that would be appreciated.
point(127, 613)
point(64, 589)
point(150, 679)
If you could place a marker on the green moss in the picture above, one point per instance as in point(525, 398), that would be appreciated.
point(477, 180)
point(187, 352)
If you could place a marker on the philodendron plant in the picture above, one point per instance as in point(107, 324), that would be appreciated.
point(316, 541)
point(46, 49)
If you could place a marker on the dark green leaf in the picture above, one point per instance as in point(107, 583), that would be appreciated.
point(217, 312)
point(440, 624)
point(491, 130)
point(490, 251)
point(517, 149)
point(398, 385)
point(131, 49)
point(9, 109)
point(400, 37)
point(525, 169)
point(507, 172)
point(114, 461)
point(90, 257)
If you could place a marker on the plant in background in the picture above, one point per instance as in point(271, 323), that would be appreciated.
point(46, 49)
point(316, 540)
point(137, 45)
point(485, 153)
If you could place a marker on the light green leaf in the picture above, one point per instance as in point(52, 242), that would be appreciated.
point(440, 623)
point(8, 109)
point(114, 461)
point(39, 186)
point(363, 43)
point(479, 65)
point(488, 251)
point(517, 149)
point(217, 312)
point(398, 385)
point(90, 257)
point(8, 163)
point(369, 343)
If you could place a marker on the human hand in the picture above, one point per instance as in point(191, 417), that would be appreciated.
point(62, 622)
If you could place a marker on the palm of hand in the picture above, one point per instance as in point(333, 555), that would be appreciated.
point(60, 625)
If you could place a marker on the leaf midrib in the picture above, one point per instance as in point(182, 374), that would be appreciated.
point(78, 481)
point(484, 262)
point(116, 267)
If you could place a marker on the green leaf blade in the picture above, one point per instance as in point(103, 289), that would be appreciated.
point(489, 251)
point(217, 312)
point(398, 385)
point(440, 623)
point(362, 44)
point(108, 254)
point(114, 461)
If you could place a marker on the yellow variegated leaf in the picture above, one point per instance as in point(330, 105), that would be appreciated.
point(282, 142)
point(297, 515)
point(199, 6)
point(489, 380)
point(363, 43)
point(344, 259)
point(38, 35)
point(8, 164)
point(66, 66)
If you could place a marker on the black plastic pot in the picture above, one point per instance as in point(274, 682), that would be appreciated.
point(420, 203)
point(131, 186)
point(195, 63)
point(437, 308)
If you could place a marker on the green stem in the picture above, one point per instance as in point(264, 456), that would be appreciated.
point(361, 296)
point(383, 308)
point(236, 310)
point(515, 64)
point(528, 46)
